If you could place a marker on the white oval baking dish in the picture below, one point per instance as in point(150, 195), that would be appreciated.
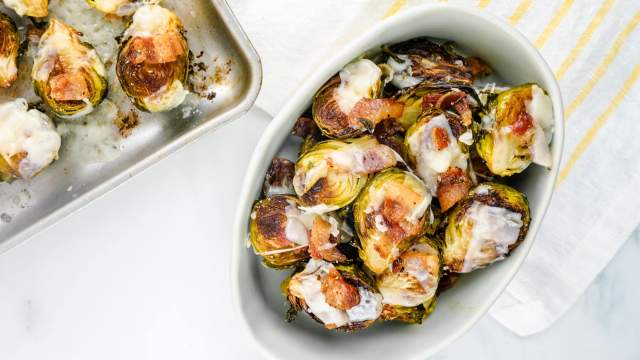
point(256, 293)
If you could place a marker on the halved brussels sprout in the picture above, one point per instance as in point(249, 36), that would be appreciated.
point(109, 6)
point(9, 47)
point(153, 61)
point(332, 173)
point(517, 131)
point(409, 286)
point(436, 152)
point(389, 214)
point(277, 234)
point(340, 297)
point(68, 74)
point(349, 103)
point(28, 140)
point(421, 60)
point(485, 227)
point(33, 8)
point(279, 178)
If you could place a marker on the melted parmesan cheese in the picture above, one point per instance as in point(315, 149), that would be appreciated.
point(493, 230)
point(151, 20)
point(357, 80)
point(110, 6)
point(30, 132)
point(541, 111)
point(35, 8)
point(300, 221)
point(402, 72)
point(307, 285)
point(431, 162)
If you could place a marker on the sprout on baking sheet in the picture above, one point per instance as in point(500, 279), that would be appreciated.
point(153, 60)
point(67, 73)
point(9, 51)
point(389, 214)
point(485, 227)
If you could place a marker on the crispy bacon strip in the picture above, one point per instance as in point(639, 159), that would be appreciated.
point(157, 49)
point(376, 110)
point(523, 123)
point(320, 245)
point(453, 185)
point(338, 293)
point(68, 86)
point(440, 138)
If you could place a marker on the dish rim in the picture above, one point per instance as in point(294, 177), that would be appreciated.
point(287, 115)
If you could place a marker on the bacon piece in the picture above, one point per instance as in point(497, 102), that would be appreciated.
point(450, 98)
point(523, 123)
point(453, 185)
point(68, 86)
point(440, 138)
point(376, 110)
point(478, 67)
point(320, 245)
point(430, 100)
point(338, 293)
point(463, 108)
point(157, 49)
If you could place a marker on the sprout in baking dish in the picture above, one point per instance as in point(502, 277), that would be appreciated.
point(409, 285)
point(9, 48)
point(34, 8)
point(28, 140)
point(517, 130)
point(339, 297)
point(113, 7)
point(434, 148)
point(153, 60)
point(349, 104)
point(421, 60)
point(389, 214)
point(331, 174)
point(485, 227)
point(279, 178)
point(68, 74)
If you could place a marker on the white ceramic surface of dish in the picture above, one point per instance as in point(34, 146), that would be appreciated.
point(256, 291)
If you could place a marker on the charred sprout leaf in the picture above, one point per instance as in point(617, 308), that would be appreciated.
point(306, 129)
point(68, 74)
point(28, 140)
point(517, 130)
point(410, 283)
point(339, 297)
point(9, 49)
point(279, 178)
point(332, 173)
point(269, 235)
point(485, 227)
point(390, 133)
point(389, 214)
point(153, 60)
point(33, 8)
point(113, 7)
point(349, 104)
point(422, 60)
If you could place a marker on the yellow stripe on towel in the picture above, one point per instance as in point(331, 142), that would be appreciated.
point(553, 24)
point(483, 3)
point(394, 8)
point(519, 12)
point(598, 124)
point(584, 38)
point(602, 68)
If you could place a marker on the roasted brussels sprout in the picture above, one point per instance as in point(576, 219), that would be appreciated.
point(68, 74)
point(33, 8)
point(279, 178)
point(483, 228)
point(113, 7)
point(28, 140)
point(389, 214)
point(332, 173)
point(409, 285)
point(340, 297)
point(9, 47)
point(349, 104)
point(277, 232)
point(517, 130)
point(436, 152)
point(421, 60)
point(153, 61)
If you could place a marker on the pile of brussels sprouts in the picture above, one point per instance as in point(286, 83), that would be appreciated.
point(399, 186)
point(152, 67)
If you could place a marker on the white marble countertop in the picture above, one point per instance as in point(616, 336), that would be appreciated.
point(143, 273)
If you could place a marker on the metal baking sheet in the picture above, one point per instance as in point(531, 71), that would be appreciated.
point(27, 207)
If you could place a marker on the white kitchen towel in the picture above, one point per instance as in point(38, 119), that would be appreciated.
point(592, 47)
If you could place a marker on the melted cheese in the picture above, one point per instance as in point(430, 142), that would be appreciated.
point(35, 8)
point(493, 230)
point(307, 285)
point(541, 111)
point(431, 162)
point(110, 6)
point(151, 19)
point(402, 72)
point(30, 132)
point(357, 80)
point(166, 98)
